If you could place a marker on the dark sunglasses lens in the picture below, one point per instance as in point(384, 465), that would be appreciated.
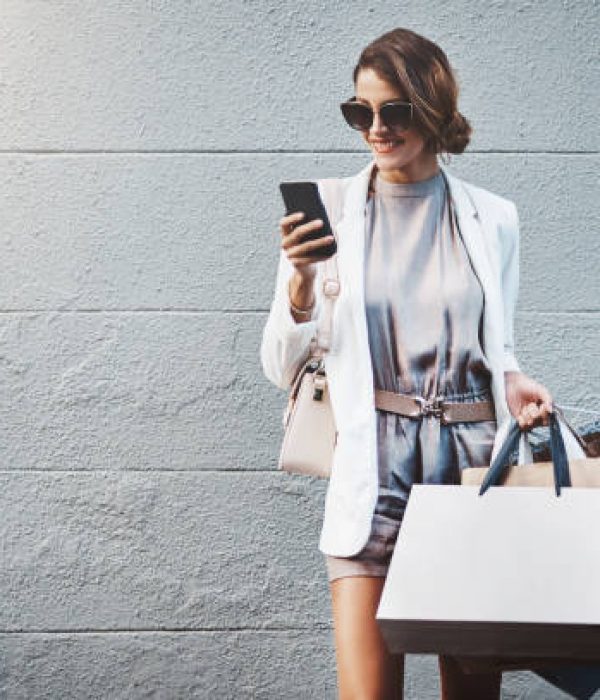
point(358, 116)
point(394, 116)
point(397, 115)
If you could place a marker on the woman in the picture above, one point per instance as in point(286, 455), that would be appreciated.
point(428, 267)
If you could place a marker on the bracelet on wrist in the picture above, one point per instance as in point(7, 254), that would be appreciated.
point(301, 312)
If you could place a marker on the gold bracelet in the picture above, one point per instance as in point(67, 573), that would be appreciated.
point(295, 309)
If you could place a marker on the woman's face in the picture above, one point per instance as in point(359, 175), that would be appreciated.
point(405, 158)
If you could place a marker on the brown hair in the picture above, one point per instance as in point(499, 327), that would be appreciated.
point(420, 69)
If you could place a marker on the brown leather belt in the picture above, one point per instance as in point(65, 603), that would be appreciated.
point(446, 411)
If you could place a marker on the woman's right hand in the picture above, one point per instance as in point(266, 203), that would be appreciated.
point(303, 255)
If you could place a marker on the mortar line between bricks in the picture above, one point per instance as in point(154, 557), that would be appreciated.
point(167, 630)
point(100, 470)
point(301, 152)
point(216, 312)
point(133, 310)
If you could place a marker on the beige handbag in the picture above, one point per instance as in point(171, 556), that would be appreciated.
point(309, 424)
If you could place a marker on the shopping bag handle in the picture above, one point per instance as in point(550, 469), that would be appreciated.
point(497, 471)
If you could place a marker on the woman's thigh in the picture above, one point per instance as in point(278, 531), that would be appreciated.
point(366, 670)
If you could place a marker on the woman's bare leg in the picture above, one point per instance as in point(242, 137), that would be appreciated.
point(366, 670)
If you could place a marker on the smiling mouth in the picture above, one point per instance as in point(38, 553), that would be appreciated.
point(386, 146)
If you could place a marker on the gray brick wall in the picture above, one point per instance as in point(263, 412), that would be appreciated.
point(149, 548)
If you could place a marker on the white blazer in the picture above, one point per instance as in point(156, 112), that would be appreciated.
point(489, 227)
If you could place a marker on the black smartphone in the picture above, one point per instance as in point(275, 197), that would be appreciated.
point(305, 197)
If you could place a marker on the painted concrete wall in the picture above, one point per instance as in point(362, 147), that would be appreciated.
point(148, 546)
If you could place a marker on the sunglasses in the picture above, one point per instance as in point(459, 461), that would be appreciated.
point(395, 114)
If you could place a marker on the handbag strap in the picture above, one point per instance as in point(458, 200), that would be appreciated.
point(331, 191)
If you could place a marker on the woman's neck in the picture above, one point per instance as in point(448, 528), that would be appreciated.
point(423, 175)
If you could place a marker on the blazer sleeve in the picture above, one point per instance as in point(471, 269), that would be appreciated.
point(509, 246)
point(285, 344)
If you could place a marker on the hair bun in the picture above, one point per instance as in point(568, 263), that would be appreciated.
point(456, 134)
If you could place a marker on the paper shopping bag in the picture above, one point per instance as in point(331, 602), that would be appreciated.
point(581, 679)
point(514, 572)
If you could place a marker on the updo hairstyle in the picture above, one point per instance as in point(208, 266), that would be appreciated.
point(420, 70)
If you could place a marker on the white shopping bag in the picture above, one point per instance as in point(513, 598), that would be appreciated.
point(513, 572)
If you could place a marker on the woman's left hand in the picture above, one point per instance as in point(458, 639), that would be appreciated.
point(528, 401)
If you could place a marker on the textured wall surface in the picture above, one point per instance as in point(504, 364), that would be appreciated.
point(148, 546)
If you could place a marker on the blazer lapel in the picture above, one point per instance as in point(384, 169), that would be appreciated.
point(351, 258)
point(479, 242)
point(472, 231)
point(353, 235)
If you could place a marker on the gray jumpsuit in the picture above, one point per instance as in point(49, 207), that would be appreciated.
point(424, 308)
